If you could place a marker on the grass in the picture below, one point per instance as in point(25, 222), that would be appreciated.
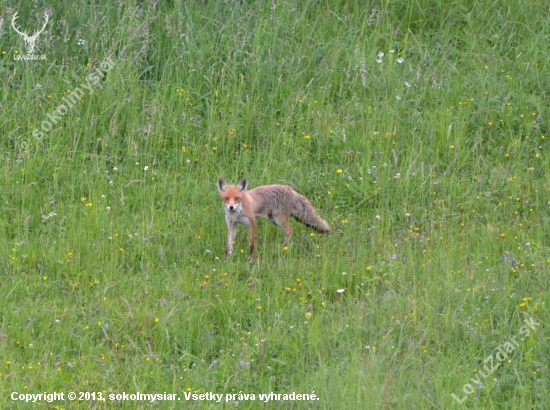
point(419, 130)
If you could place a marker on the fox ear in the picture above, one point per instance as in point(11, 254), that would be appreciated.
point(222, 185)
point(243, 185)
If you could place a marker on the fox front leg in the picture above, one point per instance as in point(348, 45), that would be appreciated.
point(253, 234)
point(231, 235)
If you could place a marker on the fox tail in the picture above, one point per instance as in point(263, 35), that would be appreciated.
point(305, 213)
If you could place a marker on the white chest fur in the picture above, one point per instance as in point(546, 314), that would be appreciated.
point(236, 217)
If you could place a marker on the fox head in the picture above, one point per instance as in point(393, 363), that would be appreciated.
point(232, 194)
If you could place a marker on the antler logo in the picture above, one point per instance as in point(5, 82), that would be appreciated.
point(30, 40)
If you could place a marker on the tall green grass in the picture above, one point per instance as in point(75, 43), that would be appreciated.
point(419, 132)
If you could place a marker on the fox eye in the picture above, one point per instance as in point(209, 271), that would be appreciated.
point(226, 198)
point(238, 198)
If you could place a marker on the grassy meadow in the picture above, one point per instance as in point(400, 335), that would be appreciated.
point(418, 130)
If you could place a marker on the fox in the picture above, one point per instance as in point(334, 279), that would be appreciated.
point(275, 202)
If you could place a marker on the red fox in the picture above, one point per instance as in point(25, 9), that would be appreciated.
point(274, 202)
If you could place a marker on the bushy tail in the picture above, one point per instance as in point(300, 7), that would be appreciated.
point(305, 213)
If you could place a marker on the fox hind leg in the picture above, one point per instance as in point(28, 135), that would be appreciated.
point(282, 222)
